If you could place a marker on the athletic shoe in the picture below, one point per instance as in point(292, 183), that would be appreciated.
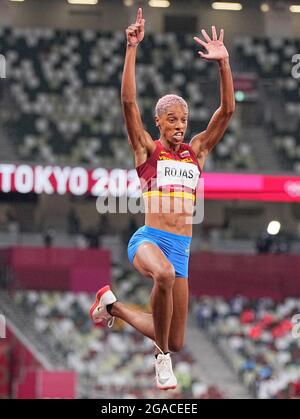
point(165, 377)
point(98, 311)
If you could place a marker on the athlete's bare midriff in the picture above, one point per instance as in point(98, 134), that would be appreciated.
point(169, 216)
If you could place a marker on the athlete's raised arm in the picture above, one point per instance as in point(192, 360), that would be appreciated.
point(204, 142)
point(140, 141)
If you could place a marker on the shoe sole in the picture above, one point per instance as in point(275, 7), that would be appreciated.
point(166, 388)
point(97, 301)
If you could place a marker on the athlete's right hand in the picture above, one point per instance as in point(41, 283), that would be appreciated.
point(135, 33)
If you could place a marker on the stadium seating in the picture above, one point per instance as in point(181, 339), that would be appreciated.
point(269, 57)
point(62, 96)
point(271, 60)
point(256, 338)
point(118, 362)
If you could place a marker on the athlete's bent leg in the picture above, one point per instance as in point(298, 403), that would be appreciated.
point(151, 262)
point(142, 322)
point(180, 314)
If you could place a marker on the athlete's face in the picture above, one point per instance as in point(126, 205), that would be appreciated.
point(173, 124)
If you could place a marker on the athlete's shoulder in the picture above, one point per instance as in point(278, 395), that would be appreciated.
point(157, 143)
point(152, 156)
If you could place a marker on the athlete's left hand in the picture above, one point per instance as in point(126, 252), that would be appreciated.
point(216, 50)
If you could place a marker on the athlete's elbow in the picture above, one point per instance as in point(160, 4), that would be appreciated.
point(230, 113)
point(231, 109)
point(227, 113)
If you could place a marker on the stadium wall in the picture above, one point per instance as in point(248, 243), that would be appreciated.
point(112, 15)
point(57, 269)
point(254, 276)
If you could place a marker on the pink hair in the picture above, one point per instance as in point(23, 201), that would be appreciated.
point(167, 101)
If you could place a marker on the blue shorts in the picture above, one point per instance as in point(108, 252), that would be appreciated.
point(176, 248)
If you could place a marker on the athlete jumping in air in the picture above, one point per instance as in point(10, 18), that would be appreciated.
point(169, 171)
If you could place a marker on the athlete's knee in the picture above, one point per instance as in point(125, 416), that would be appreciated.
point(176, 344)
point(164, 276)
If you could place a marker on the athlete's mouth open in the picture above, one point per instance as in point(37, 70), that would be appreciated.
point(178, 135)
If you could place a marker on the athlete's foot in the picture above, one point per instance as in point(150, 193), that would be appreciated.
point(98, 311)
point(165, 377)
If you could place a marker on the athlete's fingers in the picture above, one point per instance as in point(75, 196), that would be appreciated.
point(133, 29)
point(221, 35)
point(214, 33)
point(131, 32)
point(199, 41)
point(142, 25)
point(203, 55)
point(204, 33)
point(139, 15)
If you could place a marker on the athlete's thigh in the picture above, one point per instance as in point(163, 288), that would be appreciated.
point(150, 259)
point(180, 311)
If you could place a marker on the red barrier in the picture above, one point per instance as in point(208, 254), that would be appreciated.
point(41, 384)
point(28, 379)
point(254, 276)
point(25, 388)
point(4, 370)
point(57, 269)
point(22, 361)
point(56, 385)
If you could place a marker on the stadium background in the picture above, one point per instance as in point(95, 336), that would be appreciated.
point(63, 143)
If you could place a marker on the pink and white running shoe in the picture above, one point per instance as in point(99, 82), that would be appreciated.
point(98, 311)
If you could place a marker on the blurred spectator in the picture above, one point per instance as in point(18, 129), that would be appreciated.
point(264, 243)
point(267, 243)
point(49, 236)
point(13, 226)
point(282, 243)
point(73, 222)
point(92, 238)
